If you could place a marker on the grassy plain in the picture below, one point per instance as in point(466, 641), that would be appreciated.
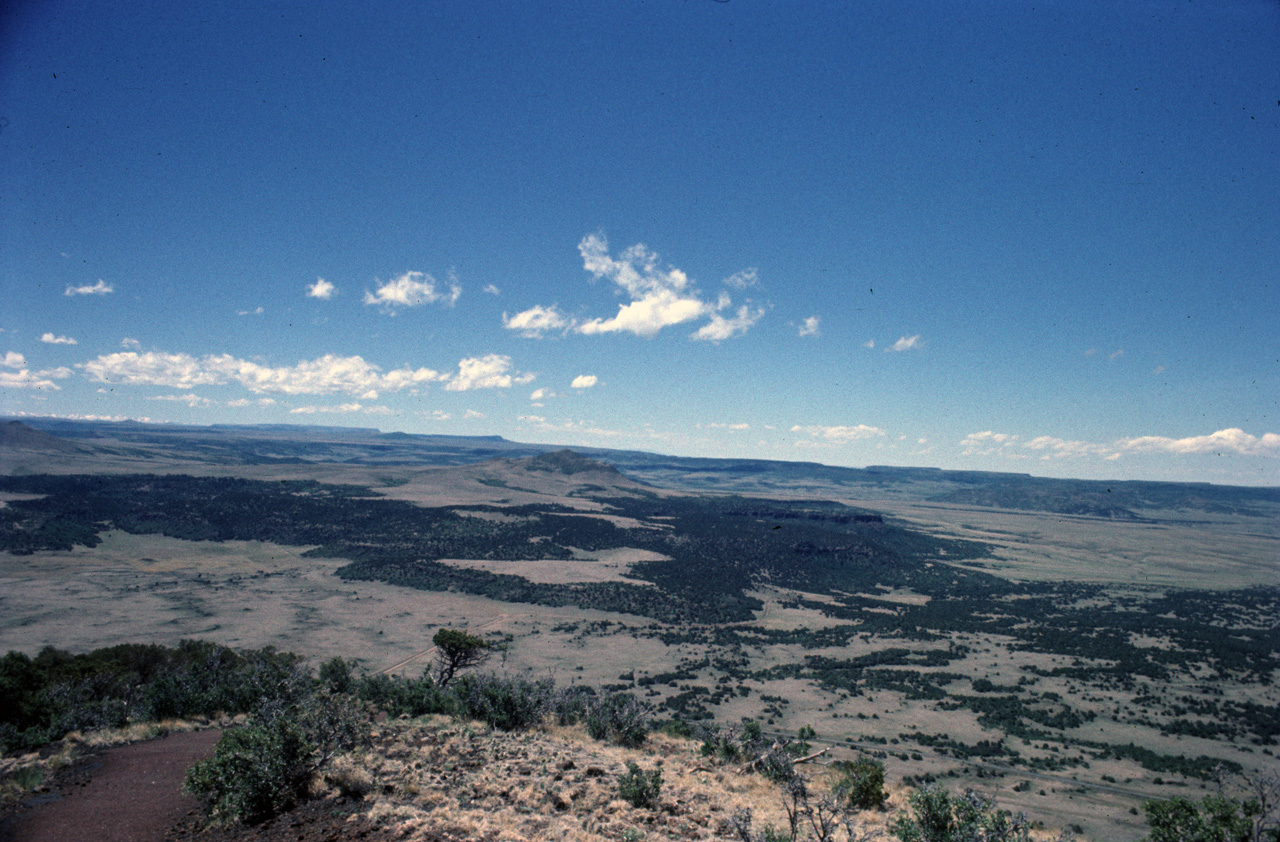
point(251, 594)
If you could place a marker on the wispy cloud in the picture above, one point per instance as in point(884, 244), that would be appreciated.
point(190, 399)
point(1232, 441)
point(342, 409)
point(811, 326)
point(100, 288)
point(130, 343)
point(324, 375)
point(906, 343)
point(412, 289)
point(490, 289)
point(320, 289)
point(50, 339)
point(870, 343)
point(492, 371)
point(717, 425)
point(537, 321)
point(256, 311)
point(720, 328)
point(584, 381)
point(819, 434)
point(742, 280)
point(1116, 354)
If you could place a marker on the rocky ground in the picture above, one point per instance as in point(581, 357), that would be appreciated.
point(436, 779)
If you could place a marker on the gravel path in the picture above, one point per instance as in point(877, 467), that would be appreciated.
point(126, 794)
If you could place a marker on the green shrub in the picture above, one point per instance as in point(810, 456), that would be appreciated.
point(508, 704)
point(262, 768)
point(938, 816)
point(861, 784)
point(619, 718)
point(398, 695)
point(639, 787)
point(777, 765)
point(255, 772)
point(1216, 819)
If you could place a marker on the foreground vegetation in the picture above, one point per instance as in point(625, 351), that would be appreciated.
point(303, 728)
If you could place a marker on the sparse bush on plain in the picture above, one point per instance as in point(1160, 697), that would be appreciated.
point(456, 651)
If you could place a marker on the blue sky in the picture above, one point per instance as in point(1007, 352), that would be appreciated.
point(989, 235)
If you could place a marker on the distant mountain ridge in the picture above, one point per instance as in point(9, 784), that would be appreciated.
point(284, 444)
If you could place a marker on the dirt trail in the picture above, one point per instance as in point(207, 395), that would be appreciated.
point(126, 794)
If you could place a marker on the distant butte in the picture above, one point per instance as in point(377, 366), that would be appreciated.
point(15, 435)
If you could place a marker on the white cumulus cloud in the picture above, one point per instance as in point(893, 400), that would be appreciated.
point(412, 289)
point(906, 343)
point(492, 371)
point(811, 326)
point(660, 296)
point(23, 379)
point(320, 289)
point(50, 339)
point(12, 359)
point(100, 288)
point(584, 381)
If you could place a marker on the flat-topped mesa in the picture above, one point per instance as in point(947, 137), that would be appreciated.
point(570, 462)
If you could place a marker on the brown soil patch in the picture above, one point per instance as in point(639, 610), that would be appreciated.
point(124, 794)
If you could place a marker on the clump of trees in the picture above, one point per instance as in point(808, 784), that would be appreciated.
point(56, 692)
point(1251, 817)
point(938, 816)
